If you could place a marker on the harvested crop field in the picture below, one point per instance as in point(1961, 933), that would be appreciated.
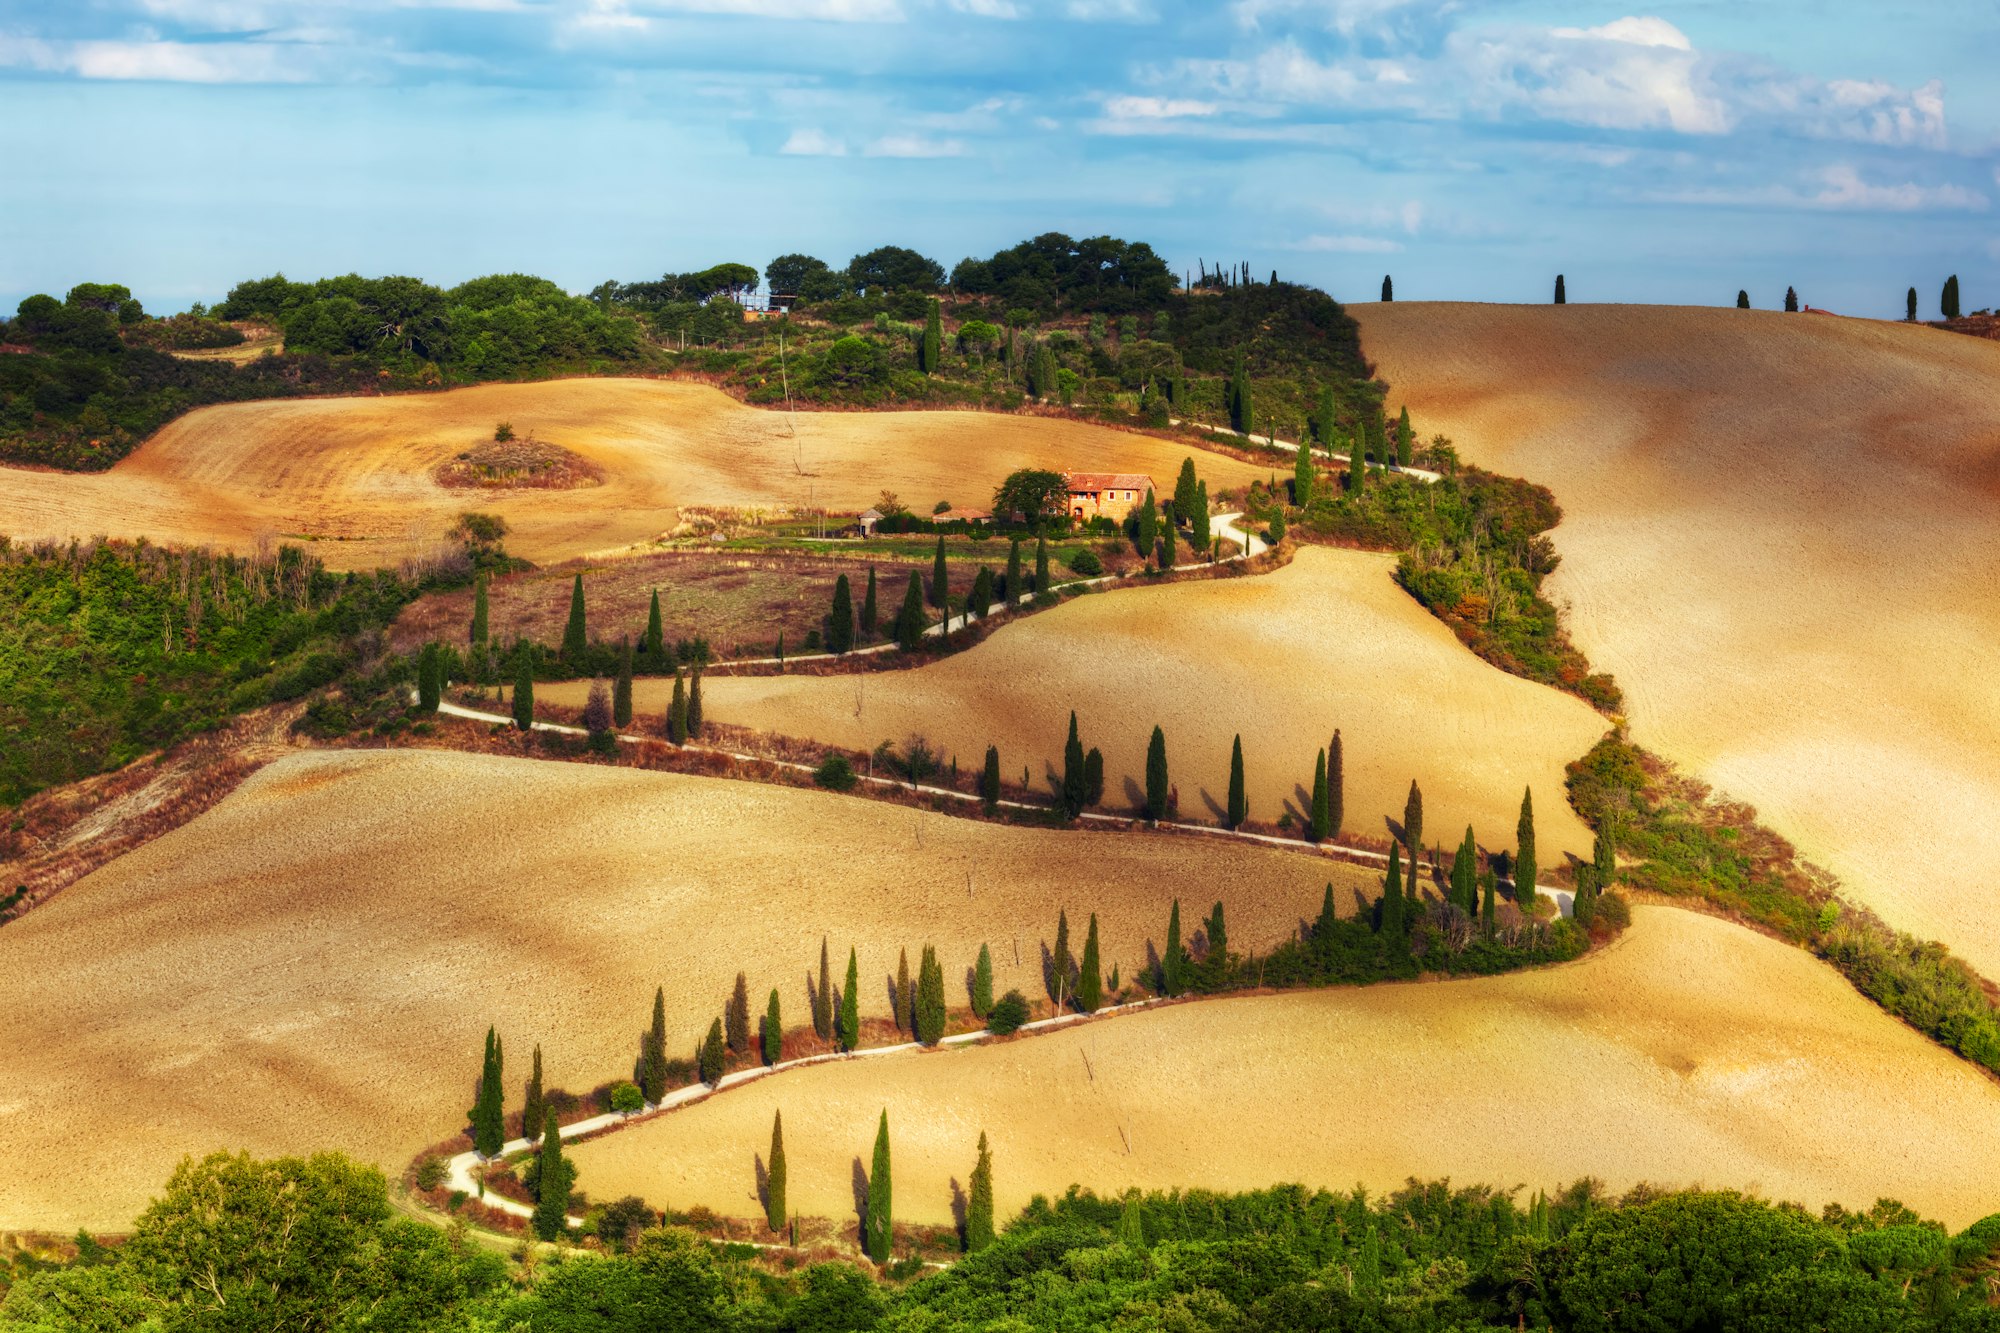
point(313, 963)
point(1631, 1066)
point(1284, 658)
point(1781, 537)
point(356, 474)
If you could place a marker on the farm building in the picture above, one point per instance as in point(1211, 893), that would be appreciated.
point(1110, 495)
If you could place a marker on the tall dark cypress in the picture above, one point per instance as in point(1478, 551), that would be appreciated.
point(1388, 288)
point(910, 621)
point(1323, 925)
point(1218, 941)
point(552, 1181)
point(1336, 788)
point(489, 1132)
point(533, 1105)
point(1743, 299)
point(1317, 818)
point(771, 1032)
point(694, 703)
point(1093, 778)
point(1041, 564)
point(905, 996)
point(621, 691)
point(868, 614)
point(822, 998)
point(524, 694)
point(656, 638)
point(1791, 301)
point(1357, 464)
point(774, 1174)
point(479, 616)
point(653, 1051)
point(979, 1202)
point(1465, 874)
point(980, 603)
point(1239, 801)
point(1060, 962)
point(880, 1222)
point(1013, 586)
point(1146, 525)
point(940, 579)
point(1525, 866)
point(1562, 294)
point(575, 640)
point(930, 998)
point(1171, 960)
point(982, 983)
point(1090, 979)
point(677, 711)
point(840, 620)
point(1392, 893)
point(738, 1014)
point(1413, 822)
point(1948, 302)
point(1158, 790)
point(850, 1005)
point(1910, 307)
point(989, 780)
point(1074, 787)
point(711, 1057)
point(427, 679)
point(1201, 536)
point(1184, 492)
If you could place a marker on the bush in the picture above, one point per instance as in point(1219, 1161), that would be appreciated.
point(1086, 564)
point(1614, 911)
point(835, 773)
point(1009, 1012)
point(626, 1098)
point(430, 1173)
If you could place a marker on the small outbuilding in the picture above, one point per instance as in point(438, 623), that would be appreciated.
point(869, 518)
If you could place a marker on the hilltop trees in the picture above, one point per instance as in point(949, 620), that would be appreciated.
point(774, 1170)
point(840, 620)
point(910, 622)
point(1743, 299)
point(1239, 801)
point(574, 641)
point(1525, 868)
point(979, 1202)
point(1791, 301)
point(1388, 288)
point(488, 1114)
point(1562, 295)
point(1910, 307)
point(1948, 301)
point(653, 1051)
point(878, 1228)
point(1158, 791)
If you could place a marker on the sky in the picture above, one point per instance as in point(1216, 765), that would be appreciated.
point(1651, 152)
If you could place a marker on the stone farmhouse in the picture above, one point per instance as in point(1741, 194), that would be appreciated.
point(1111, 495)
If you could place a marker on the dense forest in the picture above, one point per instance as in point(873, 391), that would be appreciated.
point(234, 1243)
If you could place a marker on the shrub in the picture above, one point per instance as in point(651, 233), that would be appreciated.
point(1614, 911)
point(1085, 563)
point(626, 1098)
point(835, 773)
point(1009, 1012)
point(430, 1173)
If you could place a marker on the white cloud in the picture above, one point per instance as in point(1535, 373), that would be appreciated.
point(813, 143)
point(913, 145)
point(1156, 108)
point(1346, 17)
point(165, 62)
point(1348, 245)
point(990, 9)
point(1111, 11)
point(829, 11)
point(1635, 31)
point(1840, 188)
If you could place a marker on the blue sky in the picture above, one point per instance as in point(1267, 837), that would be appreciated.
point(1473, 148)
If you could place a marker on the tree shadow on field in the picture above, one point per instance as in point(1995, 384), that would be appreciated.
point(812, 1001)
point(1135, 795)
point(860, 1198)
point(1153, 969)
point(1396, 830)
point(960, 1205)
point(1215, 811)
point(971, 983)
point(1053, 778)
point(763, 1181)
point(889, 986)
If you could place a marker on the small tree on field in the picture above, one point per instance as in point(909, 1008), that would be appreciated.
point(653, 1052)
point(979, 1202)
point(1157, 786)
point(850, 1005)
point(879, 1228)
point(1948, 302)
point(575, 641)
point(822, 998)
point(868, 618)
point(840, 620)
point(553, 1177)
point(982, 983)
point(1093, 778)
point(1090, 982)
point(1239, 801)
point(711, 1058)
point(1317, 820)
point(1910, 307)
point(1742, 300)
point(737, 1030)
point(533, 1107)
point(1791, 301)
point(1302, 476)
point(774, 1170)
point(1388, 288)
point(621, 694)
point(428, 688)
point(910, 622)
point(930, 1015)
point(940, 580)
point(656, 638)
point(1562, 293)
point(771, 1032)
point(597, 710)
point(524, 695)
point(677, 712)
point(1525, 868)
point(989, 780)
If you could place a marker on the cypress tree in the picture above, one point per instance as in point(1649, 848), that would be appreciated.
point(780, 653)
point(1336, 788)
point(1378, 435)
point(1090, 984)
point(427, 679)
point(1791, 301)
point(1170, 961)
point(621, 691)
point(771, 1035)
point(1239, 801)
point(574, 640)
point(1201, 536)
point(840, 621)
point(1392, 893)
point(1405, 438)
point(1168, 534)
point(1060, 962)
point(979, 1204)
point(881, 1222)
point(1948, 302)
point(905, 996)
point(1184, 487)
point(653, 1052)
point(1910, 307)
point(1073, 787)
point(1413, 822)
point(677, 711)
point(989, 780)
point(1147, 524)
point(1583, 901)
point(1604, 855)
point(1326, 418)
point(656, 639)
point(822, 999)
point(694, 703)
point(1302, 476)
point(1323, 926)
point(1525, 867)
point(910, 622)
point(479, 609)
point(1218, 942)
point(850, 1005)
point(738, 1014)
point(1562, 296)
point(1093, 778)
point(1318, 817)
point(940, 580)
point(1242, 415)
point(774, 1170)
point(1465, 874)
point(1157, 788)
point(524, 694)
point(980, 603)
point(1357, 466)
point(533, 1107)
point(868, 616)
point(711, 1058)
point(930, 998)
point(1013, 584)
point(1041, 564)
point(489, 1132)
point(982, 983)
point(1388, 288)
point(1743, 300)
point(933, 339)
point(552, 1180)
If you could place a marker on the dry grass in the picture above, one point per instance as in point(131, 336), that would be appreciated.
point(517, 464)
point(357, 472)
point(1780, 537)
point(1631, 1066)
point(1328, 641)
point(313, 963)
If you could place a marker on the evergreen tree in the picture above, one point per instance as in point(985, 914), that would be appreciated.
point(840, 620)
point(677, 712)
point(1336, 788)
point(488, 1115)
point(1184, 492)
point(737, 1029)
point(1388, 288)
point(989, 780)
point(427, 679)
point(1074, 788)
point(1302, 476)
point(533, 1106)
point(1218, 942)
point(656, 638)
point(1202, 536)
point(1157, 788)
point(933, 345)
point(1392, 893)
point(694, 703)
point(1413, 822)
point(980, 603)
point(1948, 302)
point(910, 622)
point(930, 1015)
point(1562, 296)
point(1742, 300)
point(868, 615)
point(1326, 417)
point(1041, 564)
point(574, 640)
point(940, 580)
point(982, 983)
point(1168, 534)
point(1465, 874)
point(1241, 415)
point(524, 694)
point(905, 995)
point(771, 1034)
point(1093, 778)
point(1278, 527)
point(979, 1203)
point(1090, 982)
point(1604, 854)
point(1357, 466)
point(1170, 961)
point(780, 653)
point(1378, 435)
point(1791, 301)
point(1147, 524)
point(822, 998)
point(1060, 962)
point(1910, 307)
point(1525, 868)
point(710, 1059)
point(1406, 438)
point(553, 1176)
point(621, 691)
point(1583, 902)
point(1318, 818)
point(1239, 801)
point(479, 636)
point(1323, 926)
point(850, 1005)
point(1013, 583)
point(880, 1221)
point(653, 1052)
point(774, 1169)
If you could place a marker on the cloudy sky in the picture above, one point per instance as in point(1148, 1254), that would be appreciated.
point(1672, 151)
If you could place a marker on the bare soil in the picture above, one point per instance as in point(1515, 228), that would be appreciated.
point(1780, 535)
point(518, 464)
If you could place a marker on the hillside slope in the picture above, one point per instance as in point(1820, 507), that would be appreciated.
point(1780, 535)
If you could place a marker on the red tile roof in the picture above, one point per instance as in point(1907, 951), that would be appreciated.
point(1108, 481)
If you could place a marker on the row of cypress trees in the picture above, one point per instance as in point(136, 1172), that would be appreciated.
point(878, 1220)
